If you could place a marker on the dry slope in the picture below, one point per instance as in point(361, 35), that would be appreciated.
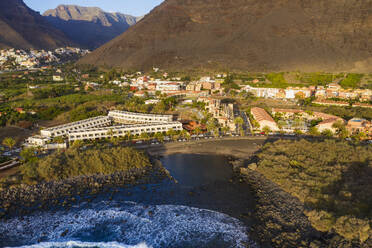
point(256, 35)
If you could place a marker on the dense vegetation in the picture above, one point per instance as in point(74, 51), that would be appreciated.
point(74, 162)
point(277, 80)
point(352, 80)
point(321, 79)
point(346, 113)
point(332, 178)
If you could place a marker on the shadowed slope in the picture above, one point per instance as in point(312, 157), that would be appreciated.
point(22, 27)
point(88, 26)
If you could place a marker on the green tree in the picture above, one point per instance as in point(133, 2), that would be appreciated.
point(327, 133)
point(128, 136)
point(341, 130)
point(159, 136)
point(360, 136)
point(298, 132)
point(77, 143)
point(239, 121)
point(225, 130)
point(314, 131)
point(172, 134)
point(212, 125)
point(9, 142)
point(197, 131)
point(266, 130)
point(144, 136)
point(28, 154)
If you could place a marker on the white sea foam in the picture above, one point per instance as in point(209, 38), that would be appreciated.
point(124, 224)
point(78, 244)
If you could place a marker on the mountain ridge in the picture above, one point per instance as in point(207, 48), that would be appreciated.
point(22, 27)
point(90, 27)
point(255, 35)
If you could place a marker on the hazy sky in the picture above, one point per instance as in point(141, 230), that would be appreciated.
point(132, 7)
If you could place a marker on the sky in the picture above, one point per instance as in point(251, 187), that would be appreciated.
point(131, 7)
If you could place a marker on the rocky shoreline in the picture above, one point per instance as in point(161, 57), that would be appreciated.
point(24, 199)
point(278, 217)
point(280, 221)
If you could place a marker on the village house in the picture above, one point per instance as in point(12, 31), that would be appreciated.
point(57, 78)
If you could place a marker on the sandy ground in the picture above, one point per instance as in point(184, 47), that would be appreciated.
point(236, 147)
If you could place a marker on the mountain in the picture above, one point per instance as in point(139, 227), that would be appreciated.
point(255, 35)
point(21, 27)
point(89, 26)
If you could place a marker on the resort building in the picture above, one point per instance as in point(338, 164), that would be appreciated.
point(122, 131)
point(358, 125)
point(305, 117)
point(125, 117)
point(264, 119)
point(63, 130)
point(38, 141)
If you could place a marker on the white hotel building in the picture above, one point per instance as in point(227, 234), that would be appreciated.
point(130, 117)
point(122, 131)
point(63, 130)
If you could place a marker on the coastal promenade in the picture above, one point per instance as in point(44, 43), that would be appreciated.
point(240, 147)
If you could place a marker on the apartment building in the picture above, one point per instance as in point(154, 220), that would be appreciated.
point(130, 117)
point(122, 131)
point(63, 130)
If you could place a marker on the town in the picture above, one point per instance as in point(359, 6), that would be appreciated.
point(17, 59)
point(215, 106)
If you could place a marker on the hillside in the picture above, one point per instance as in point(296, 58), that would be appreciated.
point(89, 27)
point(255, 35)
point(22, 27)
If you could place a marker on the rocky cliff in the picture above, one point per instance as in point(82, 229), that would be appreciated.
point(21, 27)
point(89, 27)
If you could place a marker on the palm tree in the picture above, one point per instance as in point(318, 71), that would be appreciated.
point(159, 136)
point(225, 130)
point(171, 132)
point(9, 142)
point(111, 133)
point(78, 144)
point(239, 121)
point(128, 136)
point(144, 136)
point(185, 134)
point(212, 125)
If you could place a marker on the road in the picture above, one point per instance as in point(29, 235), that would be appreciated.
point(247, 124)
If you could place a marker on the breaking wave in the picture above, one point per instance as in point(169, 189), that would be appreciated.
point(125, 224)
point(77, 244)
